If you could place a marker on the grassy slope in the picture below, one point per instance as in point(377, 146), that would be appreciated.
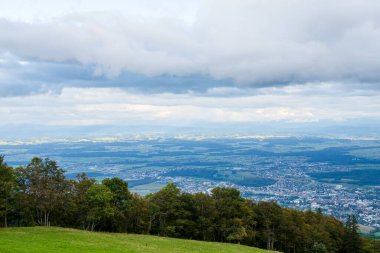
point(60, 240)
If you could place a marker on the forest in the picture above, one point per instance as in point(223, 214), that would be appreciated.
point(39, 194)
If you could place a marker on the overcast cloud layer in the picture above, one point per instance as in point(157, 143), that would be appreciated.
point(194, 62)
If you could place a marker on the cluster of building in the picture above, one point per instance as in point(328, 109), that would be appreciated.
point(293, 188)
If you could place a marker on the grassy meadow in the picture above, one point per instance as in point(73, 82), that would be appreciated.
point(62, 240)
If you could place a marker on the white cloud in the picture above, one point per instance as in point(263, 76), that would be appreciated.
point(45, 10)
point(112, 106)
point(288, 61)
point(249, 41)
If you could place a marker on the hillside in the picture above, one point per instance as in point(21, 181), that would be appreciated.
point(40, 194)
point(61, 240)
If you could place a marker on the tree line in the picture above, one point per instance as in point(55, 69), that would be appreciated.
point(40, 194)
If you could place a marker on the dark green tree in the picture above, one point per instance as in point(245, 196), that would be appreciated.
point(45, 185)
point(165, 208)
point(8, 190)
point(138, 215)
point(121, 201)
point(79, 205)
point(205, 213)
point(352, 242)
point(237, 231)
point(230, 209)
point(100, 206)
point(319, 247)
point(269, 220)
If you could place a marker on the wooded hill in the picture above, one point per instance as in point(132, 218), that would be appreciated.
point(40, 194)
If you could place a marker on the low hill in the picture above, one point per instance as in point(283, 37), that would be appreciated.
point(62, 240)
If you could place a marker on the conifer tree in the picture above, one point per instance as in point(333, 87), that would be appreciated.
point(352, 242)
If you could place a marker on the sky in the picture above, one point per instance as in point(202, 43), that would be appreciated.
point(243, 65)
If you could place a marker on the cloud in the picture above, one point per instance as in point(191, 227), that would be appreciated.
point(112, 106)
point(251, 43)
point(189, 63)
point(20, 77)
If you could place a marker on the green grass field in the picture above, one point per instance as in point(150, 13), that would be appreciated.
point(61, 240)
